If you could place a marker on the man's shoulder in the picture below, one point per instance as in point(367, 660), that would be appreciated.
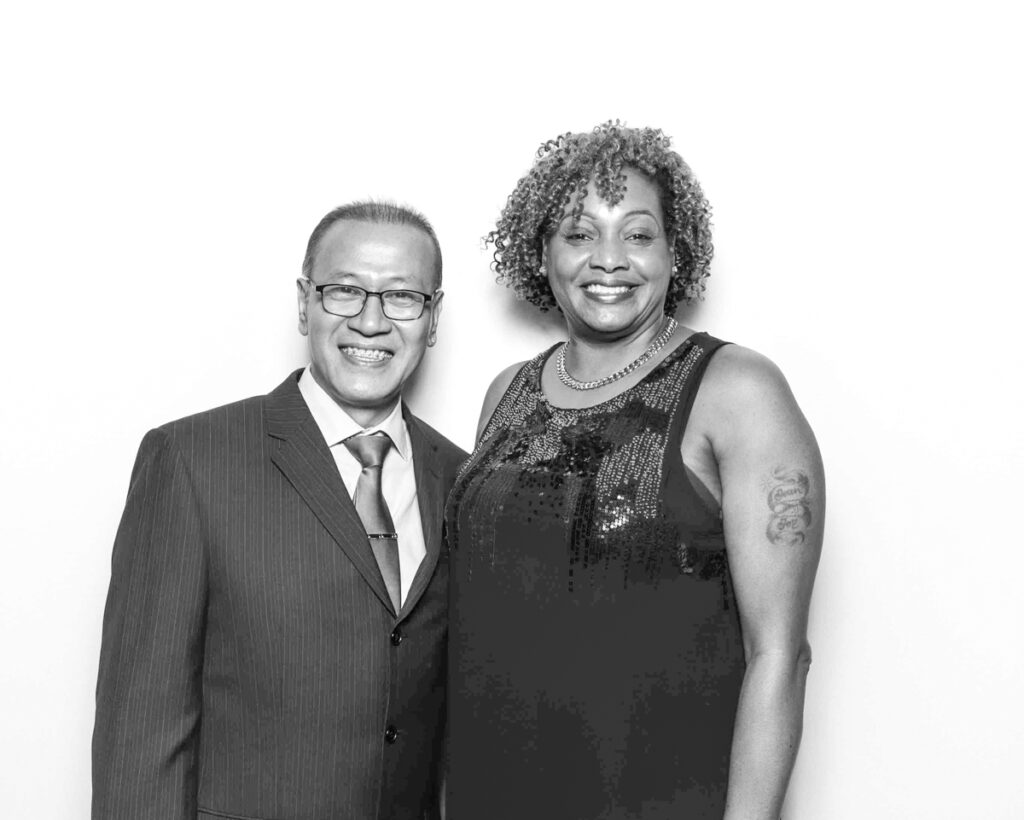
point(225, 420)
point(214, 417)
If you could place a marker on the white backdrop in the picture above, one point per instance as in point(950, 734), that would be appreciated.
point(162, 167)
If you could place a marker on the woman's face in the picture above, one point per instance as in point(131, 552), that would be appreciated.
point(610, 270)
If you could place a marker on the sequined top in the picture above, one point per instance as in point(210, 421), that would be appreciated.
point(595, 648)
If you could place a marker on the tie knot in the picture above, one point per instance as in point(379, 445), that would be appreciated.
point(369, 450)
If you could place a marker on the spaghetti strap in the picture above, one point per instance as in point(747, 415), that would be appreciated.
point(703, 347)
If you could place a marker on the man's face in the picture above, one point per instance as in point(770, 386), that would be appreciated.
point(363, 361)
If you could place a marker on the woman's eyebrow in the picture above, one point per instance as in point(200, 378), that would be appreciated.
point(589, 215)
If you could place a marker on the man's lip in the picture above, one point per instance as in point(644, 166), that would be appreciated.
point(365, 353)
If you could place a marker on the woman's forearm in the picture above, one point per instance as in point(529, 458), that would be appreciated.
point(769, 721)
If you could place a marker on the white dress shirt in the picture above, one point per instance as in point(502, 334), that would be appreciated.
point(398, 479)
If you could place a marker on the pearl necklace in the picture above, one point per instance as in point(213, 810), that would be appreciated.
point(659, 342)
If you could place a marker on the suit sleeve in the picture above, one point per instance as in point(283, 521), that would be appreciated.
point(148, 696)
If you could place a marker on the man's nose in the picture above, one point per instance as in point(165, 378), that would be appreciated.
point(371, 320)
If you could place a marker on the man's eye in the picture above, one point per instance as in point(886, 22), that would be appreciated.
point(341, 293)
point(403, 297)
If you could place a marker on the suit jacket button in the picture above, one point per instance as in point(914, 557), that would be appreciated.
point(396, 637)
point(391, 734)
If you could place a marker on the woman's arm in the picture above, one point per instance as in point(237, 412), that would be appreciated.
point(773, 508)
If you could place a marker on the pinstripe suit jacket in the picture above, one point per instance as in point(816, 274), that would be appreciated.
point(252, 664)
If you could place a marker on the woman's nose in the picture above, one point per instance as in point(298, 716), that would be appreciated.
point(609, 255)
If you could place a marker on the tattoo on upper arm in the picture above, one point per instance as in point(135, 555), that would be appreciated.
point(788, 499)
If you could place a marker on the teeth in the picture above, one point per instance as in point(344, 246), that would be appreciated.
point(607, 289)
point(366, 355)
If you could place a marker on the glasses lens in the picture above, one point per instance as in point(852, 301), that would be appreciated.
point(343, 300)
point(403, 304)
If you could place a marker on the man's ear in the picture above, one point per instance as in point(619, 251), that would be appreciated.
point(303, 287)
point(435, 314)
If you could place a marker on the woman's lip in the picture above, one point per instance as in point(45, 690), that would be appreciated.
point(607, 292)
point(608, 285)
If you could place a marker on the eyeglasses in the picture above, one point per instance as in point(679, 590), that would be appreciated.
point(349, 300)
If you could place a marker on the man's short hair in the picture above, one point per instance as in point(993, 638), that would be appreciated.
point(381, 212)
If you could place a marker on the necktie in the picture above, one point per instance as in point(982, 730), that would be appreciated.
point(373, 510)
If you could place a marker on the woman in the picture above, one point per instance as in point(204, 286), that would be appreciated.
point(634, 540)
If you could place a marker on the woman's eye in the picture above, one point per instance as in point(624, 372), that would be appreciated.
point(576, 236)
point(640, 236)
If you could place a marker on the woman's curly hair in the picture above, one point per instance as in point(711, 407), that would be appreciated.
point(564, 168)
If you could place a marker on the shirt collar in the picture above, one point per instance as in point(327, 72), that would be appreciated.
point(336, 425)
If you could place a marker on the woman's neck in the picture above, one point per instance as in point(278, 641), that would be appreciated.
point(593, 356)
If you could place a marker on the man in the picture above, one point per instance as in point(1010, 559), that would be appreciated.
point(271, 649)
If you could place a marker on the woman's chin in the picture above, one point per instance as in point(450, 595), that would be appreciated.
point(610, 321)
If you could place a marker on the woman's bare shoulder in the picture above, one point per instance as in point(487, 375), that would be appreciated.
point(494, 393)
point(502, 381)
point(738, 379)
point(743, 398)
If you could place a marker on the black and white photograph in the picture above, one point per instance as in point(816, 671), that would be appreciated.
point(553, 411)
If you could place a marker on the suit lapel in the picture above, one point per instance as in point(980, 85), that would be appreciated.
point(302, 455)
point(429, 489)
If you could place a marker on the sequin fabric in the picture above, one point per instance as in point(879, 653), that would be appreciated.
point(596, 473)
point(595, 652)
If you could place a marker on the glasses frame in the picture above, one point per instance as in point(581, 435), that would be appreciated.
point(380, 294)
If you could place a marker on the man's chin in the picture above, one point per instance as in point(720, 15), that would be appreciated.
point(355, 397)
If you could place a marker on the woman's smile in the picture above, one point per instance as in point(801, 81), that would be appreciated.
point(608, 293)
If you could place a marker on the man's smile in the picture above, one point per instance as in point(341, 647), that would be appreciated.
point(366, 355)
